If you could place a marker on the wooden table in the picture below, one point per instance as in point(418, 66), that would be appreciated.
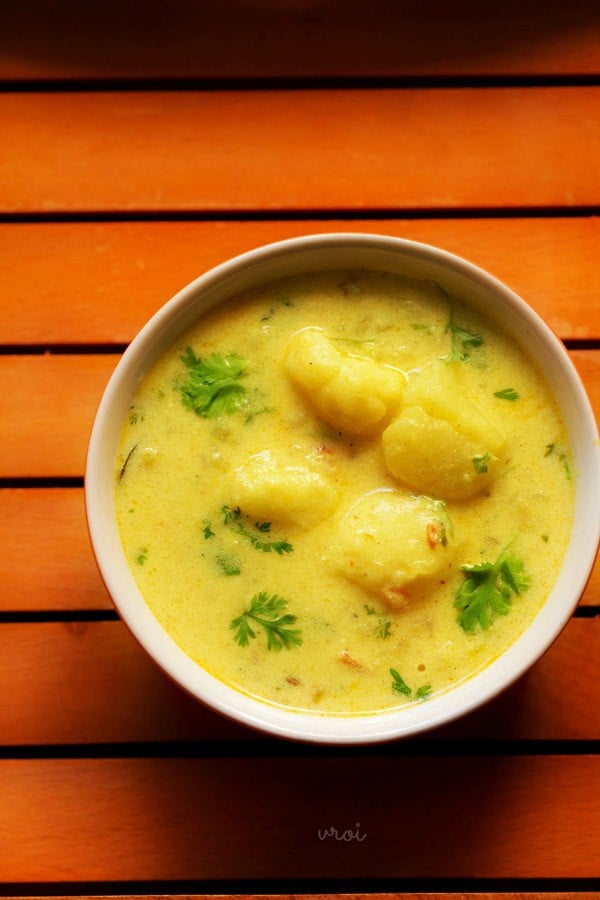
point(141, 143)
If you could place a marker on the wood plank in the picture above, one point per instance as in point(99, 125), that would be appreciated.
point(119, 819)
point(63, 392)
point(36, 524)
point(90, 682)
point(119, 273)
point(37, 573)
point(276, 150)
point(274, 38)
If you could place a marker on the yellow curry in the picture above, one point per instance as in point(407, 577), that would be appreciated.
point(344, 492)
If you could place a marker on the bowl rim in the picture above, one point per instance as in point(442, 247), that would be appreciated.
point(324, 728)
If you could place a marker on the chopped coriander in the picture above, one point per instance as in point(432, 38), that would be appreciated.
point(370, 610)
point(400, 687)
point(383, 628)
point(562, 456)
point(232, 517)
point(213, 387)
point(488, 590)
point(423, 692)
point(398, 684)
point(507, 394)
point(462, 340)
point(424, 329)
point(545, 538)
point(480, 463)
point(207, 530)
point(142, 556)
point(228, 565)
point(268, 612)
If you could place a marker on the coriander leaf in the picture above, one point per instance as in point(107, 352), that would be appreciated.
point(383, 628)
point(398, 684)
point(213, 387)
point(507, 394)
point(561, 454)
point(142, 556)
point(207, 530)
point(269, 613)
point(232, 517)
point(462, 340)
point(423, 692)
point(228, 565)
point(488, 589)
point(480, 463)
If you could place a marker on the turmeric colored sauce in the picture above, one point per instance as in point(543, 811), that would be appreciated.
point(298, 491)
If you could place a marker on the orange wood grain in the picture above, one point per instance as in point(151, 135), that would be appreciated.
point(48, 434)
point(90, 682)
point(99, 282)
point(62, 393)
point(276, 150)
point(454, 817)
point(47, 562)
point(271, 38)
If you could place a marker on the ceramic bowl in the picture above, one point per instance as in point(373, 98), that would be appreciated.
point(344, 251)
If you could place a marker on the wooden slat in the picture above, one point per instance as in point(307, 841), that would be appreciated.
point(47, 560)
point(270, 38)
point(62, 393)
point(49, 437)
point(119, 273)
point(277, 150)
point(117, 819)
point(90, 682)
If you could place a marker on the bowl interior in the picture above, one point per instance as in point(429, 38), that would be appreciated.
point(317, 253)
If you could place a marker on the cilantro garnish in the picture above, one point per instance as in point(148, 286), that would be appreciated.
point(462, 340)
point(268, 612)
point(142, 556)
point(507, 394)
point(480, 463)
point(400, 687)
point(488, 589)
point(207, 530)
point(233, 519)
point(228, 565)
point(383, 628)
point(213, 387)
point(561, 454)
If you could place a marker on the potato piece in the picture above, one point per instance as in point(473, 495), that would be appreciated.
point(274, 489)
point(352, 393)
point(442, 444)
point(392, 543)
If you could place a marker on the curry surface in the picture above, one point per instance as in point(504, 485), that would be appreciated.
point(177, 475)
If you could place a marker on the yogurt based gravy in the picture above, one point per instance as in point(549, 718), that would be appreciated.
point(303, 477)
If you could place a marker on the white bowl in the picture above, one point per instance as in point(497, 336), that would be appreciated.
point(343, 251)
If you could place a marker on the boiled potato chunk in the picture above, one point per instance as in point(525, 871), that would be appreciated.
point(275, 488)
point(352, 393)
point(391, 543)
point(443, 443)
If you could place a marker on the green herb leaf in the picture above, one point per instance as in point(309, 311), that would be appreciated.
point(398, 684)
point(487, 590)
point(142, 556)
point(480, 463)
point(383, 628)
point(561, 454)
point(423, 692)
point(462, 340)
point(269, 613)
point(229, 565)
point(213, 387)
point(232, 517)
point(507, 394)
point(207, 530)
